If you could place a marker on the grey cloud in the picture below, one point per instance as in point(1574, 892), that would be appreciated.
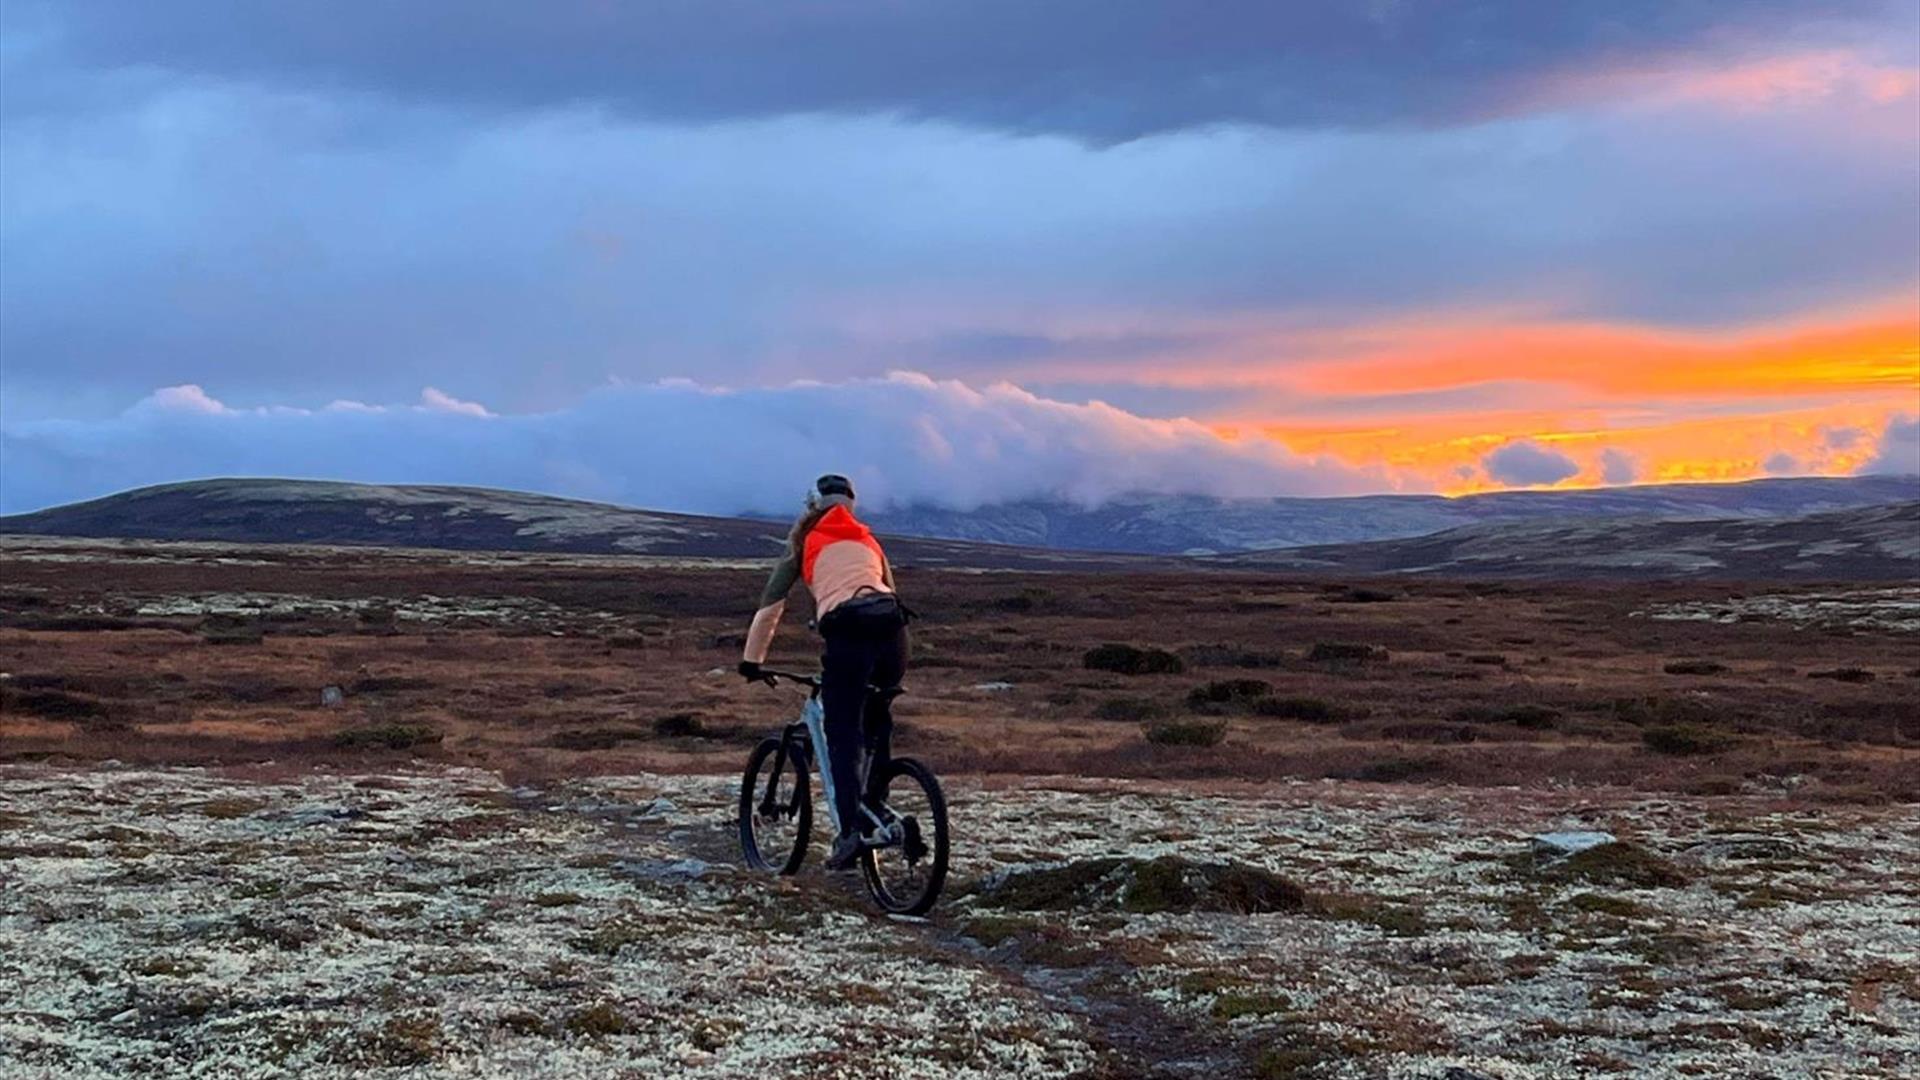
point(277, 245)
point(1098, 69)
point(677, 446)
point(1781, 463)
point(1845, 438)
point(1898, 451)
point(1528, 464)
point(1618, 466)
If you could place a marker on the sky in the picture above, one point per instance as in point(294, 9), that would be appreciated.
point(690, 255)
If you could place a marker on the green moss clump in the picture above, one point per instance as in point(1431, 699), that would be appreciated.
point(1621, 863)
point(1607, 905)
point(1145, 886)
point(994, 930)
point(608, 940)
point(1401, 920)
point(405, 1040)
point(229, 809)
point(1234, 1005)
point(1288, 1062)
point(598, 1021)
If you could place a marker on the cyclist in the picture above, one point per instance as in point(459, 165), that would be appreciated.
point(865, 631)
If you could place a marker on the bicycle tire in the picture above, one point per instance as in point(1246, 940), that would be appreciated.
point(798, 802)
point(920, 900)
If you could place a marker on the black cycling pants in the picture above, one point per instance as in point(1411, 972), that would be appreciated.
point(866, 645)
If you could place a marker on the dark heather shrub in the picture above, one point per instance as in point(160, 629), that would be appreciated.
point(1129, 660)
point(1186, 733)
point(1428, 732)
point(1345, 652)
point(1310, 710)
point(1695, 667)
point(388, 736)
point(1228, 656)
point(1845, 674)
point(679, 724)
point(1642, 711)
point(1227, 693)
point(1685, 739)
point(1534, 717)
point(1390, 771)
point(1132, 710)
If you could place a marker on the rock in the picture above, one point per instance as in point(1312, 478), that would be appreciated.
point(1549, 846)
point(660, 807)
point(993, 687)
point(664, 870)
point(331, 696)
point(323, 815)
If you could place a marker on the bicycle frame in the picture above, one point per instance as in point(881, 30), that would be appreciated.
point(813, 718)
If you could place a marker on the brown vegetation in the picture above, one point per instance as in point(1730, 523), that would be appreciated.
point(550, 666)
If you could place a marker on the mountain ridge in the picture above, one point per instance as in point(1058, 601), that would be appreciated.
point(241, 508)
point(1206, 525)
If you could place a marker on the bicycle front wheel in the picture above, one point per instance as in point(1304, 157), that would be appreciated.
point(906, 873)
point(776, 809)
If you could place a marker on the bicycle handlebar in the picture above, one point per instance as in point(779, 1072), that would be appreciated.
point(774, 675)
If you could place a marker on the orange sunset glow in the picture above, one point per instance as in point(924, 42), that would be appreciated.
point(1670, 407)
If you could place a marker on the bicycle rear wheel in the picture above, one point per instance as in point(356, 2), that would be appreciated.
point(776, 809)
point(906, 873)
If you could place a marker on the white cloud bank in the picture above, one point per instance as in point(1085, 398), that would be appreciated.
point(1898, 452)
point(676, 445)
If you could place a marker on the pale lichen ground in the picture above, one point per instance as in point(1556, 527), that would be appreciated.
point(1896, 609)
point(188, 922)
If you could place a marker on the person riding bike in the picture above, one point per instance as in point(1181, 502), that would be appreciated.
point(864, 627)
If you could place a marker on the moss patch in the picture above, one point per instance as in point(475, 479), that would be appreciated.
point(1145, 886)
point(1621, 863)
point(598, 1021)
point(1606, 905)
point(1234, 1005)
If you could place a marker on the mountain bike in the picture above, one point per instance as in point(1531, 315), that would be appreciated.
point(904, 861)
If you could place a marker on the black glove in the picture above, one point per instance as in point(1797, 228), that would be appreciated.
point(751, 672)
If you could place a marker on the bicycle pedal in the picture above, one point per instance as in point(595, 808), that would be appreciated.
point(911, 845)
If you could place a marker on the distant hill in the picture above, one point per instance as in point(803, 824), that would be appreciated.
point(457, 518)
point(1876, 543)
point(1197, 524)
point(1761, 529)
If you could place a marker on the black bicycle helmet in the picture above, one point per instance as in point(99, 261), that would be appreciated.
point(833, 484)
